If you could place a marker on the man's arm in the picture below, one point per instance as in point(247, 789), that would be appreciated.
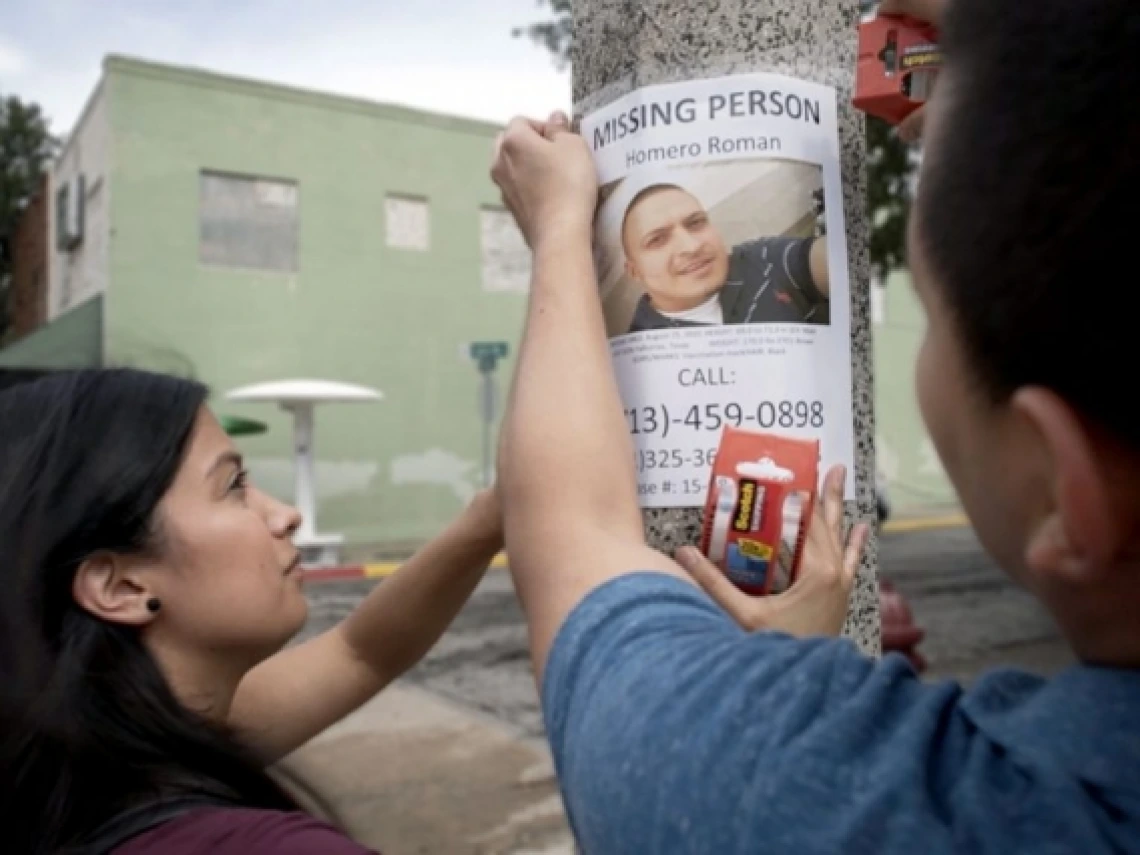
point(674, 731)
point(817, 262)
point(799, 263)
point(803, 262)
point(646, 666)
point(566, 462)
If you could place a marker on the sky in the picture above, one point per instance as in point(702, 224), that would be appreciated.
point(450, 56)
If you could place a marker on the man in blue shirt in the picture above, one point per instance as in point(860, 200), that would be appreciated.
point(674, 730)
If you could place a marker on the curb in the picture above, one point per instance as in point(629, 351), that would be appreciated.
point(381, 570)
point(920, 524)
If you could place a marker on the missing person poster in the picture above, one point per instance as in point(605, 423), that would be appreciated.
point(722, 264)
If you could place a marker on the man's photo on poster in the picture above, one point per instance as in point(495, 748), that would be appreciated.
point(732, 243)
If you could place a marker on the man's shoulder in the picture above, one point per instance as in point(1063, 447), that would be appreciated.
point(1084, 721)
point(756, 261)
point(655, 699)
point(1080, 723)
point(645, 317)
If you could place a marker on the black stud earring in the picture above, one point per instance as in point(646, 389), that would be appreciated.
point(153, 605)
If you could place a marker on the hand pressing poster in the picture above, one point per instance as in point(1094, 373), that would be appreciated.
point(722, 263)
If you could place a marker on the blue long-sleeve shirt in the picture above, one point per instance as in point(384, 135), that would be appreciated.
point(674, 731)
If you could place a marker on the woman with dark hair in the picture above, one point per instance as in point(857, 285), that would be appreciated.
point(147, 592)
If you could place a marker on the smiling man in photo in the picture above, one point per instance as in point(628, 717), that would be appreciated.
point(692, 278)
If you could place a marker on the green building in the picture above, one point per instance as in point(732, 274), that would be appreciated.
point(906, 457)
point(240, 232)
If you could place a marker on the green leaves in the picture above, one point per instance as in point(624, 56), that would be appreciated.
point(26, 148)
point(891, 169)
point(554, 33)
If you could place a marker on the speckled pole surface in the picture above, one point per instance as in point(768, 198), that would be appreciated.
point(621, 45)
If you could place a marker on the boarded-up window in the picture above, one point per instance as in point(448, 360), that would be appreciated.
point(247, 222)
point(506, 258)
point(408, 223)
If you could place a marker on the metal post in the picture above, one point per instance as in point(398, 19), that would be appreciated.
point(488, 413)
point(622, 45)
point(304, 475)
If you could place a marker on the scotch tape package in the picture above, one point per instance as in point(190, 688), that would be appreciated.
point(760, 501)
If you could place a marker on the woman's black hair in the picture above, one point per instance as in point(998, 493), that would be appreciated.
point(88, 725)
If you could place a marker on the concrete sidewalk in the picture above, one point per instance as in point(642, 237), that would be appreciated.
point(413, 773)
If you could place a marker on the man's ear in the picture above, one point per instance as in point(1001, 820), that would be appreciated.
point(631, 272)
point(106, 587)
point(1083, 531)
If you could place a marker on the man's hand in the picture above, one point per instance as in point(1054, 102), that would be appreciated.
point(817, 603)
point(910, 129)
point(547, 178)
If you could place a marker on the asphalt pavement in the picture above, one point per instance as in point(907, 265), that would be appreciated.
point(974, 616)
point(452, 758)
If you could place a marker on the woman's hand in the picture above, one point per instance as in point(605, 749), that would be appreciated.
point(547, 178)
point(817, 603)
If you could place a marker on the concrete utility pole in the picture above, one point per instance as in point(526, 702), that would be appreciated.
point(623, 45)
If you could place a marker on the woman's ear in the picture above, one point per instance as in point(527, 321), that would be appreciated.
point(107, 588)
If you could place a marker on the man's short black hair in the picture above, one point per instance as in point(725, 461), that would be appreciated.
point(1029, 194)
point(641, 195)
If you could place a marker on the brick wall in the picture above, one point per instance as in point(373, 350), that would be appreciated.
point(30, 267)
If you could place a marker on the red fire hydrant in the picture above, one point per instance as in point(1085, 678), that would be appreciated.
point(900, 633)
